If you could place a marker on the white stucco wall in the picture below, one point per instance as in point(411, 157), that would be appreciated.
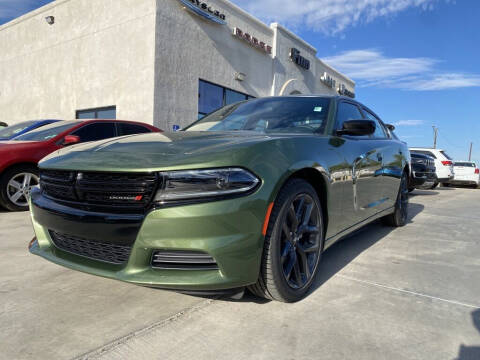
point(92, 56)
point(190, 48)
point(145, 57)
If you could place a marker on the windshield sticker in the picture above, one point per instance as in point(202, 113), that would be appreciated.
point(318, 109)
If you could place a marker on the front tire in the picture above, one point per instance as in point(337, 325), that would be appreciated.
point(293, 244)
point(15, 186)
point(399, 217)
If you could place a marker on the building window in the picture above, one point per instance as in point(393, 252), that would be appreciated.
point(212, 97)
point(98, 113)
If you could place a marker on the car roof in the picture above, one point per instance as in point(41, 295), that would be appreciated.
point(425, 148)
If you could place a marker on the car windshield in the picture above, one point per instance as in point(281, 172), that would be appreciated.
point(295, 114)
point(10, 131)
point(47, 132)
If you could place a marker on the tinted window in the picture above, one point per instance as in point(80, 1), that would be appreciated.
point(98, 113)
point(379, 130)
point(347, 111)
point(15, 129)
point(93, 132)
point(86, 115)
point(305, 115)
point(425, 153)
point(210, 97)
point(466, 164)
point(233, 97)
point(446, 155)
point(47, 132)
point(129, 129)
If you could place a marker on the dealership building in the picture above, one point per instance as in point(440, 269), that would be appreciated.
point(164, 62)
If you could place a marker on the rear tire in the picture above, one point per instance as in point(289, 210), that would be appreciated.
point(293, 244)
point(399, 217)
point(15, 186)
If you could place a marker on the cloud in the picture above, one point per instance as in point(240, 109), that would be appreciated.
point(409, 123)
point(370, 67)
point(329, 16)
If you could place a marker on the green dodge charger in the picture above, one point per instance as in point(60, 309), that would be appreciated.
point(250, 196)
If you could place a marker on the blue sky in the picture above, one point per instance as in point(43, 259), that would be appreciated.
point(415, 61)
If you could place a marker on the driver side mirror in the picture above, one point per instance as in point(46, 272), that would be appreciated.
point(390, 127)
point(70, 140)
point(357, 128)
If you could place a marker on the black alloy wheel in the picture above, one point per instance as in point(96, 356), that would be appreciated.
point(400, 215)
point(293, 244)
point(300, 241)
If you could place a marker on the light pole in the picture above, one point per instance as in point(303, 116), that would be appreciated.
point(435, 133)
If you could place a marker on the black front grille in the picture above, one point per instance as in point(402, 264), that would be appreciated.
point(100, 190)
point(183, 260)
point(92, 249)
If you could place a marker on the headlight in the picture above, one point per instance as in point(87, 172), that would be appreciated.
point(205, 184)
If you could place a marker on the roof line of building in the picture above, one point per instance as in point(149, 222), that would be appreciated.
point(293, 36)
point(32, 13)
point(246, 14)
point(335, 70)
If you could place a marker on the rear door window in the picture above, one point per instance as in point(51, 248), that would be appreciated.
point(94, 132)
point(445, 154)
point(130, 129)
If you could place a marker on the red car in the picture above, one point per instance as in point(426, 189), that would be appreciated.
point(20, 156)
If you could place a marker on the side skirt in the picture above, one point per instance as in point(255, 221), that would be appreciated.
point(332, 240)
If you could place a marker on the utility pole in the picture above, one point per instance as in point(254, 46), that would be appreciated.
point(470, 153)
point(435, 134)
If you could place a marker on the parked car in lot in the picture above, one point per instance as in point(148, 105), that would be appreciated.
point(10, 132)
point(250, 195)
point(466, 173)
point(443, 164)
point(423, 171)
point(19, 157)
point(3, 124)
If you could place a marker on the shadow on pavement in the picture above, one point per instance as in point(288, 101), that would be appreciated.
point(346, 250)
point(471, 352)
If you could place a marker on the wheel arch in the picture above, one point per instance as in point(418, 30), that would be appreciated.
point(318, 181)
point(19, 164)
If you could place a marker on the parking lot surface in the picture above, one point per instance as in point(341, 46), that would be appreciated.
point(407, 293)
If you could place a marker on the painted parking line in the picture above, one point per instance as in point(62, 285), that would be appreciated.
point(408, 292)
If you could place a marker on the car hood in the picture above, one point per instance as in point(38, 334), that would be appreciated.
point(160, 151)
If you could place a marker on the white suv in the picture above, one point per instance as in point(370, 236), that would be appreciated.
point(443, 164)
point(466, 173)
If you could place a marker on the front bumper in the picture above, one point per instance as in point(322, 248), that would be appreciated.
point(229, 231)
point(422, 178)
point(465, 181)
